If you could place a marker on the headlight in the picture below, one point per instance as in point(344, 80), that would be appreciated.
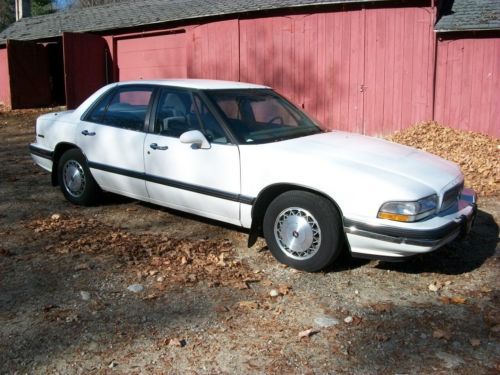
point(408, 211)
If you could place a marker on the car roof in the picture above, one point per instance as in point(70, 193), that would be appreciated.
point(201, 84)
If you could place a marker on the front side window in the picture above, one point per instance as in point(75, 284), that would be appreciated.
point(180, 111)
point(124, 108)
point(261, 116)
point(173, 113)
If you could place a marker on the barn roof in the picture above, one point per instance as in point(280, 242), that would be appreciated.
point(457, 15)
point(469, 15)
point(129, 14)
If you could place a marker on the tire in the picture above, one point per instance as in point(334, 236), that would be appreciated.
point(75, 179)
point(303, 230)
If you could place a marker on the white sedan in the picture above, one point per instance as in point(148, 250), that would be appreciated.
point(242, 154)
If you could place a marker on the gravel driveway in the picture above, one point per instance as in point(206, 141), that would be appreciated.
point(127, 287)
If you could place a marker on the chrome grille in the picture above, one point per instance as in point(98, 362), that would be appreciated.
point(451, 196)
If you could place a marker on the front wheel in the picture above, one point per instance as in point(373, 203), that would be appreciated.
point(75, 179)
point(303, 230)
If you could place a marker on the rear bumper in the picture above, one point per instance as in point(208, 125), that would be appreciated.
point(395, 243)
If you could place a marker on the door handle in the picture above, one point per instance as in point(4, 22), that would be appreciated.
point(154, 146)
point(86, 132)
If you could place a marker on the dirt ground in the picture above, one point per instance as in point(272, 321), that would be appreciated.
point(206, 304)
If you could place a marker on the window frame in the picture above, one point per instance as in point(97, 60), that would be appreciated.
point(111, 93)
point(161, 88)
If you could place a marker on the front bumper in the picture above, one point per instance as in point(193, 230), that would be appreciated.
point(367, 240)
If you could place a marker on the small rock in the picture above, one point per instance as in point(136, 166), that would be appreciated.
point(475, 342)
point(177, 342)
point(160, 279)
point(274, 293)
point(85, 295)
point(307, 333)
point(82, 266)
point(356, 292)
point(325, 321)
point(135, 288)
point(112, 364)
point(72, 318)
point(153, 272)
point(55, 217)
point(450, 360)
point(433, 287)
point(441, 334)
point(348, 319)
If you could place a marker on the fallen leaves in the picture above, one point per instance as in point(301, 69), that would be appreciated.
point(441, 334)
point(477, 154)
point(453, 300)
point(181, 261)
point(249, 305)
point(382, 307)
point(173, 342)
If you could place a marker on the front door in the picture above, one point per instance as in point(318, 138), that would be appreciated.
point(200, 181)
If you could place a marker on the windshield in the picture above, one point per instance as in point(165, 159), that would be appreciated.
point(261, 116)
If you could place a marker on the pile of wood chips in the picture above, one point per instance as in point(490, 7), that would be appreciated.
point(478, 155)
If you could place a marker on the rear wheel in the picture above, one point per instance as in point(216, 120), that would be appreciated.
point(303, 230)
point(75, 179)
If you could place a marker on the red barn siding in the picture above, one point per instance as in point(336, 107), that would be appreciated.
point(148, 57)
point(399, 60)
point(468, 84)
point(368, 71)
point(315, 60)
point(4, 78)
point(213, 51)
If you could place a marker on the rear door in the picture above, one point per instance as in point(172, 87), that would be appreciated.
point(201, 181)
point(112, 138)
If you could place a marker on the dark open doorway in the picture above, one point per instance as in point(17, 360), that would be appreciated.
point(56, 73)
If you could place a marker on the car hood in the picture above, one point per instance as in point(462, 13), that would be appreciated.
point(369, 155)
point(384, 155)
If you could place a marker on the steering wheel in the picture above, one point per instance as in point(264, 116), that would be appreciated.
point(276, 118)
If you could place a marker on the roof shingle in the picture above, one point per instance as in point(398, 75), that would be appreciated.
point(469, 15)
point(138, 13)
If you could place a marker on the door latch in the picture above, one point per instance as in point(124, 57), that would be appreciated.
point(155, 146)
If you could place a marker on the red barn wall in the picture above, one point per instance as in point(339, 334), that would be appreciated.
point(159, 55)
point(399, 68)
point(213, 51)
point(4, 78)
point(368, 70)
point(468, 84)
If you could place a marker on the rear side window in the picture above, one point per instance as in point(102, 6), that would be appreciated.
point(125, 108)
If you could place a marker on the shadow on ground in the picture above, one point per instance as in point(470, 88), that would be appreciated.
point(458, 257)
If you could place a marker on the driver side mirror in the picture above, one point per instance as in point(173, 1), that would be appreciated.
point(195, 138)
